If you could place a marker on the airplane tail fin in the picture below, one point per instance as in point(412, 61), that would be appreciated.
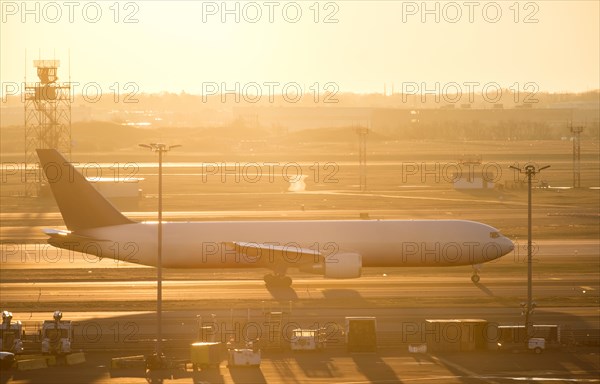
point(80, 204)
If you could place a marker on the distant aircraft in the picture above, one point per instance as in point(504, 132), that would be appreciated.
point(335, 249)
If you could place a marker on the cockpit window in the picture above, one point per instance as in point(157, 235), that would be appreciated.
point(494, 235)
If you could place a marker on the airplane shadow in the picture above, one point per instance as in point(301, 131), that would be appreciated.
point(318, 366)
point(252, 375)
point(283, 293)
point(374, 368)
point(343, 294)
point(208, 376)
point(485, 289)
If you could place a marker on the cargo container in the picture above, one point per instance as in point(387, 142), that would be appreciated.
point(205, 354)
point(361, 334)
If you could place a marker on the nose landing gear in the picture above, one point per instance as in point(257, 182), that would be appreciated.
point(475, 276)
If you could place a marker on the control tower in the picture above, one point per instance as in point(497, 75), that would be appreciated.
point(47, 120)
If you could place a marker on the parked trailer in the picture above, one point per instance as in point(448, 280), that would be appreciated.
point(205, 354)
point(361, 334)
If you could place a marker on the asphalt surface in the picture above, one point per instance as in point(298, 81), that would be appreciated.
point(112, 306)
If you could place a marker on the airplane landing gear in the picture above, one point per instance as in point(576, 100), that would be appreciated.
point(277, 280)
point(475, 276)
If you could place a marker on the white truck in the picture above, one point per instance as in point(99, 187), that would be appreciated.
point(57, 335)
point(307, 339)
point(10, 334)
point(244, 357)
point(536, 344)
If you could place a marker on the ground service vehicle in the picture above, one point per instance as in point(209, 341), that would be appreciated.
point(245, 357)
point(57, 335)
point(536, 344)
point(10, 334)
point(7, 360)
point(307, 339)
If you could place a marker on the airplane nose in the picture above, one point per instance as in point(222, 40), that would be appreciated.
point(507, 246)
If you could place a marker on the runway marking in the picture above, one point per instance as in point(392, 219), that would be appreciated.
point(341, 193)
point(471, 374)
point(526, 378)
point(428, 378)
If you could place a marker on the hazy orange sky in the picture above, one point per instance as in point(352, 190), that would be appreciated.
point(357, 45)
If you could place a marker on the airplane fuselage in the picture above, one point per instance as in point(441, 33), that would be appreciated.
point(385, 243)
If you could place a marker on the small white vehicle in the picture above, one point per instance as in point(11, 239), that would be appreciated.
point(536, 344)
point(307, 339)
point(56, 335)
point(245, 357)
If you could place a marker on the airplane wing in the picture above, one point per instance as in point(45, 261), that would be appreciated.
point(281, 255)
point(329, 262)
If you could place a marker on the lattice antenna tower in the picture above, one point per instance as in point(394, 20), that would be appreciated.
point(576, 131)
point(47, 120)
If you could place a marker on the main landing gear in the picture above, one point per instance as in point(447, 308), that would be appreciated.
point(277, 280)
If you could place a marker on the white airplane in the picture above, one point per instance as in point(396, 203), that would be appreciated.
point(335, 249)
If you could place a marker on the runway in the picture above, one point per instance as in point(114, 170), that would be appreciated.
point(39, 273)
point(566, 290)
point(390, 287)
